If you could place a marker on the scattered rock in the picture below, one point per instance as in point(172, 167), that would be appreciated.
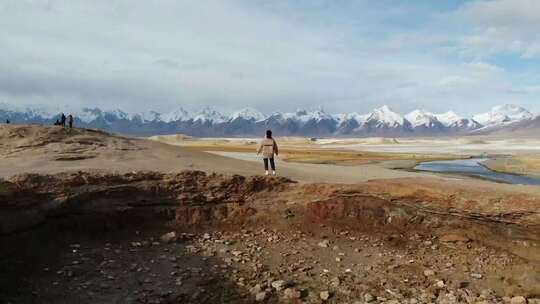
point(256, 289)
point(429, 273)
point(368, 298)
point(278, 285)
point(324, 295)
point(169, 237)
point(476, 275)
point(518, 300)
point(292, 293)
point(440, 284)
point(324, 244)
point(261, 296)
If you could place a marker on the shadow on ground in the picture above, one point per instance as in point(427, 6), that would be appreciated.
point(109, 261)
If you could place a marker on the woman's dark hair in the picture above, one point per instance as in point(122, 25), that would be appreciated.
point(268, 133)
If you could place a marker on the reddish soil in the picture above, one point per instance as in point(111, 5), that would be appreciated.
point(95, 238)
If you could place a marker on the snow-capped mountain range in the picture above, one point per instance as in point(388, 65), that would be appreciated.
point(503, 115)
point(382, 121)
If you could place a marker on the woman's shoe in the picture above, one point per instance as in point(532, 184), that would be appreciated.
point(266, 173)
point(273, 172)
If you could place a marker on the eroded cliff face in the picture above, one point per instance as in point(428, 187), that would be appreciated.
point(30, 199)
point(192, 198)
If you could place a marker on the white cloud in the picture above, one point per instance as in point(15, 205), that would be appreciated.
point(230, 54)
point(454, 81)
point(522, 14)
point(501, 26)
point(524, 90)
point(484, 67)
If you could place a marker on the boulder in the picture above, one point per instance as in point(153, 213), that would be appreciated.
point(169, 237)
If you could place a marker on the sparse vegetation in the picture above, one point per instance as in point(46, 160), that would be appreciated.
point(300, 150)
point(520, 164)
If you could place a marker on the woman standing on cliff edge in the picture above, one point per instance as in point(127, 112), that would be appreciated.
point(268, 148)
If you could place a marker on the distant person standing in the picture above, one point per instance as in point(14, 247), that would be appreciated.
point(269, 148)
point(7, 121)
point(63, 120)
point(70, 121)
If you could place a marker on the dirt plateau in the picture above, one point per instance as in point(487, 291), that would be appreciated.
point(397, 221)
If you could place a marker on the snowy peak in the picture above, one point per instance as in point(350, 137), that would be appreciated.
point(88, 115)
point(249, 114)
point(454, 121)
point(177, 115)
point(318, 115)
point(503, 115)
point(29, 112)
point(301, 112)
point(209, 115)
point(303, 116)
point(8, 108)
point(515, 113)
point(149, 116)
point(449, 118)
point(422, 118)
point(354, 116)
point(111, 116)
point(385, 116)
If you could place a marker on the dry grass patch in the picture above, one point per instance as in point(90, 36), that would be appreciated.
point(299, 152)
point(338, 157)
point(520, 164)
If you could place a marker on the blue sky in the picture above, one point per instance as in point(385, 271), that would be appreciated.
point(271, 55)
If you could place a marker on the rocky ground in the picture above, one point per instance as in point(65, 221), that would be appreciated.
point(263, 265)
point(149, 237)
